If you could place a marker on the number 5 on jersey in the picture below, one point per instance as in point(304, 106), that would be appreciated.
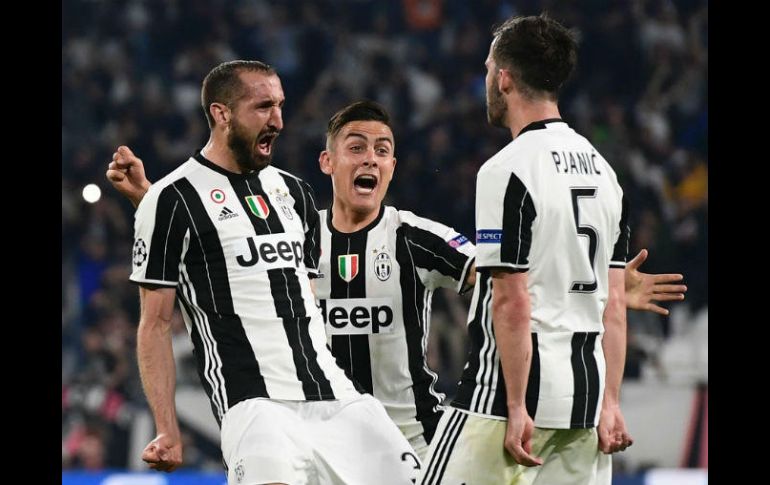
point(585, 231)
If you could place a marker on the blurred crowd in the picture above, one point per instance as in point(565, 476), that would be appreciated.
point(131, 74)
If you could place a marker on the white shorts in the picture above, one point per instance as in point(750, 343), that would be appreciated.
point(469, 449)
point(348, 441)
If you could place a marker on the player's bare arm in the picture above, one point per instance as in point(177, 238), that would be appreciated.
point(510, 319)
point(613, 435)
point(642, 289)
point(158, 373)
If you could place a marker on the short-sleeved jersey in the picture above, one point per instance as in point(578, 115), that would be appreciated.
point(376, 293)
point(549, 204)
point(239, 249)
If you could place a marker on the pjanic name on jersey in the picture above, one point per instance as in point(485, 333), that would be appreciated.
point(575, 162)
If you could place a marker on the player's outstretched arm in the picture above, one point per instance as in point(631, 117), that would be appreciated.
point(643, 289)
point(126, 173)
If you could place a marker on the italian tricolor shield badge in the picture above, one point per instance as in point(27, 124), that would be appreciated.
point(348, 266)
point(258, 206)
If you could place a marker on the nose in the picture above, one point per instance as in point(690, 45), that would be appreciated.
point(276, 118)
point(370, 160)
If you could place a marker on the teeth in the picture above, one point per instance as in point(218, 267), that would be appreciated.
point(267, 138)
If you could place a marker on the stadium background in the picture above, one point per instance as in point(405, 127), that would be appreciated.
point(131, 74)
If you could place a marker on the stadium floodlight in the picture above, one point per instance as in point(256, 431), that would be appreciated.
point(92, 193)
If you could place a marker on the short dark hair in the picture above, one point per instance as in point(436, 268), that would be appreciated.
point(223, 84)
point(359, 111)
point(539, 51)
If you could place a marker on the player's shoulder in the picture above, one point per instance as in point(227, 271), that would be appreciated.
point(410, 218)
point(416, 226)
point(163, 185)
point(272, 171)
point(500, 161)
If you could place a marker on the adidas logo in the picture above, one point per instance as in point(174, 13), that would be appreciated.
point(226, 214)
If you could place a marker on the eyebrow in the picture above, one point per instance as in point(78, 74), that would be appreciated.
point(269, 101)
point(359, 135)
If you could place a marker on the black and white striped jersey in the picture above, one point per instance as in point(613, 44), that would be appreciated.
point(376, 293)
point(240, 249)
point(550, 204)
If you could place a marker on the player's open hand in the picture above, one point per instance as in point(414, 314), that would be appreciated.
point(163, 453)
point(643, 289)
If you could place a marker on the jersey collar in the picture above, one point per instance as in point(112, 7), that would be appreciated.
point(539, 125)
point(213, 166)
point(365, 229)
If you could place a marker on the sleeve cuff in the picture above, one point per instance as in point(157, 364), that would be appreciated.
point(518, 268)
point(147, 281)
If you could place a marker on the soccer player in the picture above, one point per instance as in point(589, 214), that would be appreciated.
point(237, 241)
point(548, 317)
point(380, 268)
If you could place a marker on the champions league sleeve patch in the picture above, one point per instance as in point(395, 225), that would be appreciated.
point(489, 236)
point(458, 241)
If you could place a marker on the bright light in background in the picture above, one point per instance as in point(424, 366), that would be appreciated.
point(92, 193)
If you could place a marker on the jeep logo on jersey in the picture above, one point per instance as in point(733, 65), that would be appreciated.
point(258, 206)
point(357, 316)
point(271, 252)
point(347, 265)
point(382, 266)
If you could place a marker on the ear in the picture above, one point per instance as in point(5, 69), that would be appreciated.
point(393, 170)
point(220, 113)
point(325, 162)
point(504, 81)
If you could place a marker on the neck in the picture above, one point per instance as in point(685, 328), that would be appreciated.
point(528, 111)
point(344, 219)
point(217, 151)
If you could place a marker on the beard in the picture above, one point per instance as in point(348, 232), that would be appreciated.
point(244, 149)
point(496, 107)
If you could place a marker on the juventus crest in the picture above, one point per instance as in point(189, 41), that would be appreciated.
point(382, 266)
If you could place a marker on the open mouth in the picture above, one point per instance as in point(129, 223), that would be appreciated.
point(265, 143)
point(365, 184)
